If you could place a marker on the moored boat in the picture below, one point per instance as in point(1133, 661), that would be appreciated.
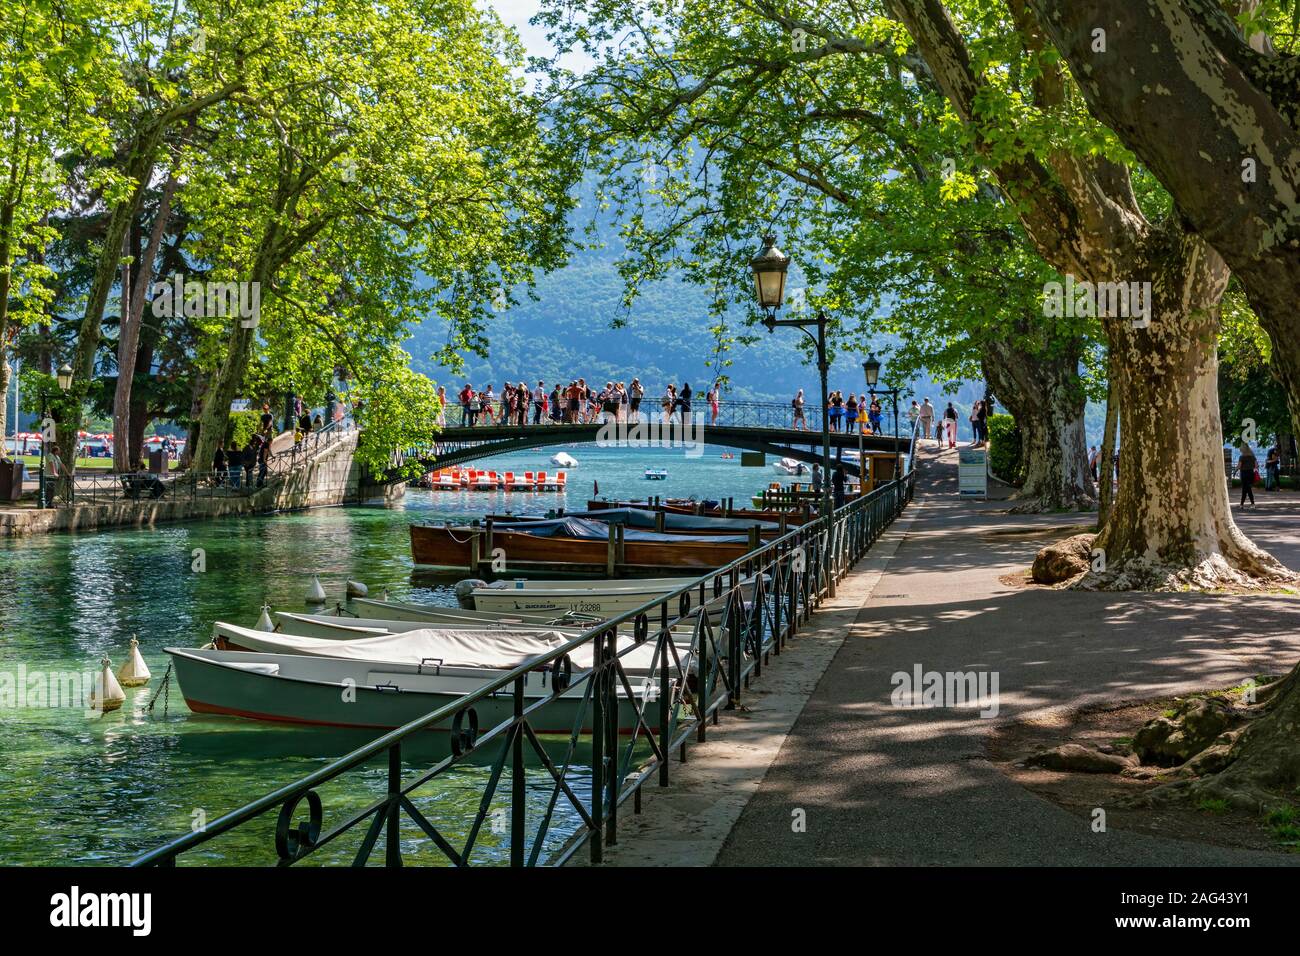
point(336, 692)
point(448, 650)
point(575, 543)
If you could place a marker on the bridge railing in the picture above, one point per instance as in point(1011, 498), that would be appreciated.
point(730, 413)
point(737, 620)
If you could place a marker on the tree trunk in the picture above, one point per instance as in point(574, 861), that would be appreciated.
point(5, 375)
point(1171, 524)
point(1045, 396)
point(221, 392)
point(1222, 138)
point(1106, 458)
point(129, 333)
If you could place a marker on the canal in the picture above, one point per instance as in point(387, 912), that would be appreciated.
point(80, 789)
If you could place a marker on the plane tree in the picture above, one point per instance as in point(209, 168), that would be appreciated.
point(713, 123)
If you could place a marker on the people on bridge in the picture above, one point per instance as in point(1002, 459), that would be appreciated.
point(635, 392)
point(714, 395)
point(950, 425)
point(442, 406)
point(851, 413)
point(797, 404)
point(873, 415)
point(835, 410)
point(927, 419)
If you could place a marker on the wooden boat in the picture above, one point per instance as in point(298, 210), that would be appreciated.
point(598, 548)
point(336, 692)
point(646, 519)
point(684, 506)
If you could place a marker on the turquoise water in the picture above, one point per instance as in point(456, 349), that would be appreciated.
point(79, 789)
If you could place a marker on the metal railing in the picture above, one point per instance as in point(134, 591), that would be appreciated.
point(241, 481)
point(739, 617)
point(730, 414)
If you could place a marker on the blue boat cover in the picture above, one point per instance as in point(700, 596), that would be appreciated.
point(644, 518)
point(573, 526)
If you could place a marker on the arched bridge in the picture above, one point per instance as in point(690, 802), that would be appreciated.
point(765, 427)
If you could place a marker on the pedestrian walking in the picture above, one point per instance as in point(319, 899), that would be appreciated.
point(950, 425)
point(797, 404)
point(1246, 468)
point(927, 419)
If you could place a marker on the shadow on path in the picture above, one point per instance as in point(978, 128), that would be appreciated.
point(896, 786)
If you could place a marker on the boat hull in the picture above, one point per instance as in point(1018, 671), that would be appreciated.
point(452, 548)
point(212, 687)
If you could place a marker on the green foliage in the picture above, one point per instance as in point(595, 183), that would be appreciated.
point(1006, 454)
point(242, 427)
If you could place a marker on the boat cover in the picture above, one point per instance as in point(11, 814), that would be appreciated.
point(450, 647)
point(588, 528)
point(642, 518)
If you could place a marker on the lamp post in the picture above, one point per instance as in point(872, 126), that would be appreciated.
point(769, 268)
point(47, 430)
point(871, 369)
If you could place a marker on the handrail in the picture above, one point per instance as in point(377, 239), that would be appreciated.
point(730, 414)
point(788, 576)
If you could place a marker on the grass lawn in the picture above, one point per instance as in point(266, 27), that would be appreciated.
point(104, 464)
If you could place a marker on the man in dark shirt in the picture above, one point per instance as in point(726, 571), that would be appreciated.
point(1246, 466)
point(837, 487)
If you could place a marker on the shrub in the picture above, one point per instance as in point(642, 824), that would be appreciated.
point(1006, 456)
point(242, 427)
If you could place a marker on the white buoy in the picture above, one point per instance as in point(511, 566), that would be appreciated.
point(107, 693)
point(357, 589)
point(135, 672)
point(316, 593)
point(264, 623)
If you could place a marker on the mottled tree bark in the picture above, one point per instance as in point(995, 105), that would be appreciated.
point(1044, 395)
point(124, 451)
point(1214, 116)
point(1171, 524)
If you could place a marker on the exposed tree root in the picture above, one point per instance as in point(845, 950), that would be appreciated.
point(1212, 573)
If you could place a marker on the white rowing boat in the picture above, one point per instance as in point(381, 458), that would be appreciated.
point(338, 692)
point(447, 649)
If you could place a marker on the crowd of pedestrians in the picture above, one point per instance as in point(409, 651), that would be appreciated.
point(577, 403)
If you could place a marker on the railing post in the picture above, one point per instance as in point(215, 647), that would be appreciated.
point(736, 606)
point(393, 838)
point(612, 725)
point(518, 791)
point(597, 750)
point(665, 638)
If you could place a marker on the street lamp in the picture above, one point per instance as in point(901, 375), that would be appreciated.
point(871, 369)
point(64, 378)
point(769, 268)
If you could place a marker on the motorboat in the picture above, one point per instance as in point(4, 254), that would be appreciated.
point(563, 459)
point(656, 474)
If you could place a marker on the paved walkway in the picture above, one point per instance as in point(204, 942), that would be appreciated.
point(890, 786)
